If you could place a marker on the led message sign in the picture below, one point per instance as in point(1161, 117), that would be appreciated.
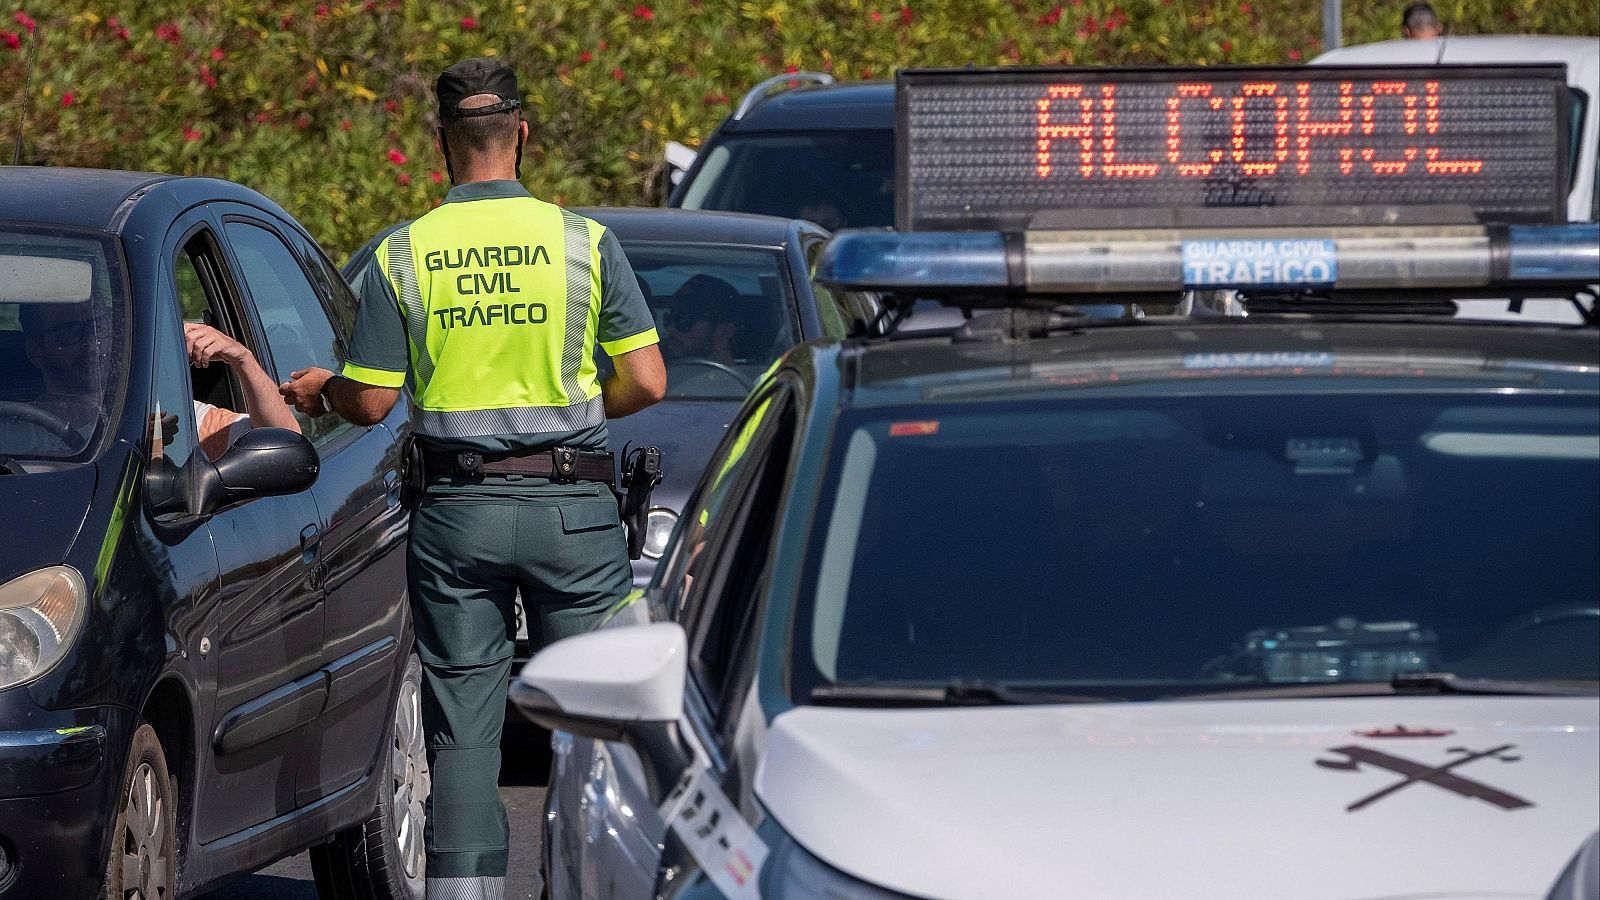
point(991, 148)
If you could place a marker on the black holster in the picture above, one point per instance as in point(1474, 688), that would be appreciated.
point(641, 472)
point(413, 473)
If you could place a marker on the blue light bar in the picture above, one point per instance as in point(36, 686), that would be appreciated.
point(1107, 261)
point(928, 260)
point(1555, 253)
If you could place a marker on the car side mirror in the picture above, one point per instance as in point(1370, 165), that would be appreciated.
point(615, 684)
point(263, 462)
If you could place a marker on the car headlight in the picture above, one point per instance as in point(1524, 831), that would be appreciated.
point(658, 524)
point(797, 875)
point(39, 614)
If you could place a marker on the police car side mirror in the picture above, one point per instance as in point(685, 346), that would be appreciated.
point(617, 684)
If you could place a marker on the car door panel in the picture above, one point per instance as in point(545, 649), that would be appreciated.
point(361, 555)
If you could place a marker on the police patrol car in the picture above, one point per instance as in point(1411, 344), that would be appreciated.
point(1288, 588)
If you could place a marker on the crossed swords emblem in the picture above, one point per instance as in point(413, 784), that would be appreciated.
point(1414, 772)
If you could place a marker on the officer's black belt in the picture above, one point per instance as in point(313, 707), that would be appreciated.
point(563, 465)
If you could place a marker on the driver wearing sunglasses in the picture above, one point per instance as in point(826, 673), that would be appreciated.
point(700, 321)
point(62, 342)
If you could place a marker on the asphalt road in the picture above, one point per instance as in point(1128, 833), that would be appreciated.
point(523, 772)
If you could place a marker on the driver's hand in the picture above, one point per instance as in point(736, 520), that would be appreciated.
point(205, 344)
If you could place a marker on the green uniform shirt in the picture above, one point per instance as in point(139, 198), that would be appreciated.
point(498, 299)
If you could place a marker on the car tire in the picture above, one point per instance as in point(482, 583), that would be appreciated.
point(382, 858)
point(143, 861)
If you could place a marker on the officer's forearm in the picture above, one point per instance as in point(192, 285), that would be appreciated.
point(363, 404)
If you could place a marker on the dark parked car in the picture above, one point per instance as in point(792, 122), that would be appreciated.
point(205, 663)
point(820, 151)
point(730, 294)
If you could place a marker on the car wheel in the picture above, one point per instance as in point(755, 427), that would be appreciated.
point(382, 858)
point(142, 863)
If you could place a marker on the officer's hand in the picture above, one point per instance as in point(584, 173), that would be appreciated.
point(303, 390)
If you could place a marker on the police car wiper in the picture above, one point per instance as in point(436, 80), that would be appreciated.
point(956, 693)
point(1450, 683)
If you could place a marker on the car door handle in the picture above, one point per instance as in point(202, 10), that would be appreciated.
point(391, 486)
point(310, 543)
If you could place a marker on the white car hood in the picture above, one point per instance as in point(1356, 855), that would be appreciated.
point(1229, 799)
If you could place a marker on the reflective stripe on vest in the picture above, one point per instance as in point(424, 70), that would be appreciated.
point(500, 299)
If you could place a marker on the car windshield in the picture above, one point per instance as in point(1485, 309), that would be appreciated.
point(1206, 544)
point(723, 314)
point(837, 179)
point(63, 353)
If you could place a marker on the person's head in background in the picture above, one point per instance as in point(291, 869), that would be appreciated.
point(700, 323)
point(1420, 23)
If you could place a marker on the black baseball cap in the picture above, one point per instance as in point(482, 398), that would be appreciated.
point(470, 77)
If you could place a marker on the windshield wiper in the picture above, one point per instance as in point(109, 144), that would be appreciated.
point(9, 466)
point(956, 693)
point(1450, 683)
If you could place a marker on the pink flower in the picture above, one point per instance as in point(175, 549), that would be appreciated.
point(302, 121)
point(322, 11)
point(22, 19)
point(344, 125)
point(390, 106)
point(791, 68)
point(67, 99)
point(643, 12)
point(10, 40)
point(1245, 8)
point(207, 77)
point(170, 33)
point(468, 23)
point(1051, 17)
point(585, 56)
point(396, 157)
point(436, 176)
point(618, 74)
point(602, 46)
point(1294, 55)
point(866, 73)
point(1227, 46)
point(403, 178)
point(121, 33)
point(875, 16)
point(285, 22)
point(217, 55)
point(905, 15)
point(189, 134)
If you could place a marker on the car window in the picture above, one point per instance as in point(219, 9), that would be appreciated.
point(1142, 548)
point(204, 297)
point(171, 438)
point(728, 542)
point(298, 330)
point(337, 296)
point(63, 345)
point(837, 179)
point(723, 314)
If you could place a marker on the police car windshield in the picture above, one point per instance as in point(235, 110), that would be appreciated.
point(1149, 548)
point(723, 314)
point(838, 179)
point(62, 343)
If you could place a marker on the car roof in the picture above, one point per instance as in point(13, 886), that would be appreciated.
point(85, 198)
point(101, 198)
point(1581, 54)
point(639, 223)
point(901, 370)
point(834, 107)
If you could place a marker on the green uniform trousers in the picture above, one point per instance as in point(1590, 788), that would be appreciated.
point(475, 543)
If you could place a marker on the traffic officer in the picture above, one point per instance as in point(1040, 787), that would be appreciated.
point(488, 308)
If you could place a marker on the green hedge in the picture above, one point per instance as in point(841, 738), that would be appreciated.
point(326, 107)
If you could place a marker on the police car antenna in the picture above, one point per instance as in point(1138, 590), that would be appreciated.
point(27, 95)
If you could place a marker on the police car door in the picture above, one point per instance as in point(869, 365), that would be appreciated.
point(721, 603)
